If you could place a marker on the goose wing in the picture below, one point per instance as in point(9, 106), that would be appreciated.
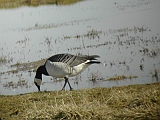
point(72, 60)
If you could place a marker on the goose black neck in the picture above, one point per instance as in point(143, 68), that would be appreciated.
point(41, 70)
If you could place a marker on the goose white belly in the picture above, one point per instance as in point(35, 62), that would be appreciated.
point(78, 69)
point(58, 69)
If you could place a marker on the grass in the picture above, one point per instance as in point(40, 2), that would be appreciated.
point(7, 4)
point(3, 59)
point(129, 102)
point(122, 77)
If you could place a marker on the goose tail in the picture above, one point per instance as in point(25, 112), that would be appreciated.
point(93, 59)
point(92, 62)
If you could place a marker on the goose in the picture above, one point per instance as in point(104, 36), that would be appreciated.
point(64, 66)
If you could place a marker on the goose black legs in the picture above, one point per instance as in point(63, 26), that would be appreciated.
point(66, 80)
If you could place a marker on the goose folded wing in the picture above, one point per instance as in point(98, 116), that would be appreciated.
point(72, 60)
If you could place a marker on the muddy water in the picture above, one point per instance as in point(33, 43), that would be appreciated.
point(125, 34)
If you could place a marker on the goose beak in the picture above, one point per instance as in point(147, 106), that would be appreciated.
point(38, 88)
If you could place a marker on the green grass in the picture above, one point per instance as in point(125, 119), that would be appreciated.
point(129, 102)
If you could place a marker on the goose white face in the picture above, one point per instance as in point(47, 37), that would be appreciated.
point(38, 82)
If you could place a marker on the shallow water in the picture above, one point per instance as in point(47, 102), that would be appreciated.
point(125, 34)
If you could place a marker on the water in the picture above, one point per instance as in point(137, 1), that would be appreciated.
point(125, 34)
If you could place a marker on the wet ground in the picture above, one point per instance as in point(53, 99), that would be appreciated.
point(125, 34)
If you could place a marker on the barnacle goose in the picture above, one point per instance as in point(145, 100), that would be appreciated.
point(64, 66)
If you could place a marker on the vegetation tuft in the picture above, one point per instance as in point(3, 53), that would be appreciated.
point(129, 102)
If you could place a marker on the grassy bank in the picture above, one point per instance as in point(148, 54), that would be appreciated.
point(129, 102)
point(18, 3)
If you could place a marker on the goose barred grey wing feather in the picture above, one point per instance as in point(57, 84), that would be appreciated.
point(72, 60)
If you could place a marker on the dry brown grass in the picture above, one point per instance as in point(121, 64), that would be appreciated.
point(122, 77)
point(130, 102)
point(18, 3)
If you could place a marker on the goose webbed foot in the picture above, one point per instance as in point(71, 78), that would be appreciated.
point(63, 89)
point(71, 89)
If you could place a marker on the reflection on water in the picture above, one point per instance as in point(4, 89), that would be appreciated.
point(124, 34)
